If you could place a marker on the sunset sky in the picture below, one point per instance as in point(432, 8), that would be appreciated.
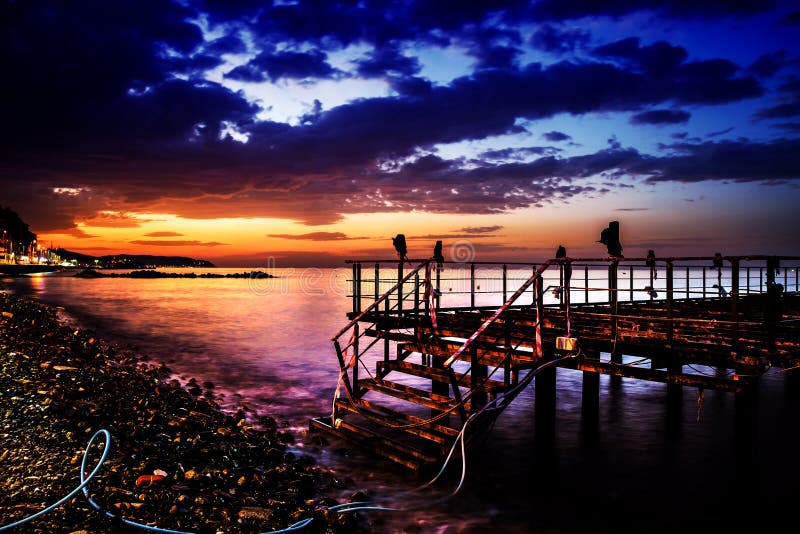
point(312, 131)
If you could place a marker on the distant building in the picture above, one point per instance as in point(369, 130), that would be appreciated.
point(17, 243)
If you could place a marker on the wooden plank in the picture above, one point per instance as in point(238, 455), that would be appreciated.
point(487, 385)
point(434, 431)
point(411, 394)
point(377, 444)
point(641, 373)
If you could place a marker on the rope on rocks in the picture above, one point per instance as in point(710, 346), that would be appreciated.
point(82, 486)
point(494, 406)
point(85, 479)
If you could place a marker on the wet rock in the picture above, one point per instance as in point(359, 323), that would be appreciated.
point(198, 469)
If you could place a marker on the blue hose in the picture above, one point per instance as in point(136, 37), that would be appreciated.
point(84, 482)
point(341, 508)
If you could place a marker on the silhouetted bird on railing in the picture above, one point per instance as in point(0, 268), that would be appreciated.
point(610, 238)
point(438, 257)
point(399, 243)
point(651, 262)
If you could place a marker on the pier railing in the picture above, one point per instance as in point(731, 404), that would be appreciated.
point(584, 285)
point(482, 331)
point(392, 300)
point(593, 280)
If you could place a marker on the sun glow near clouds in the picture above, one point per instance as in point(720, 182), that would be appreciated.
point(68, 191)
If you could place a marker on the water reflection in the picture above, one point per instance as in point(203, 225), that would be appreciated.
point(630, 460)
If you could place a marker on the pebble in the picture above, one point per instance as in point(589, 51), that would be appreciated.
point(177, 461)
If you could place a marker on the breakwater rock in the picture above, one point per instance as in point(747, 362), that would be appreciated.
point(176, 460)
point(147, 273)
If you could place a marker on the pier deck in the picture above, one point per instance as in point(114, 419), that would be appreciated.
point(427, 359)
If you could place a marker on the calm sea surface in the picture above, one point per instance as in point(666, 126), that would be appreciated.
point(265, 344)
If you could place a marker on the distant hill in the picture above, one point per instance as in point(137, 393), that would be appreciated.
point(130, 261)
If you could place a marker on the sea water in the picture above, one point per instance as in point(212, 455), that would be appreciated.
point(265, 345)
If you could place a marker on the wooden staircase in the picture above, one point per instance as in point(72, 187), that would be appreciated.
point(412, 407)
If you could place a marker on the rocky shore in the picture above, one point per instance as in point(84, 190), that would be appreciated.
point(176, 461)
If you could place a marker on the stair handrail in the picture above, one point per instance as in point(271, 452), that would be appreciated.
point(380, 299)
point(536, 275)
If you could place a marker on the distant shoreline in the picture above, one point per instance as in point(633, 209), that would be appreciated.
point(19, 269)
point(91, 273)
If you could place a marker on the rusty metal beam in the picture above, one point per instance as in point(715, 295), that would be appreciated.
point(640, 373)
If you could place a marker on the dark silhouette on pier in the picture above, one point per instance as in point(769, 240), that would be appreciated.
point(438, 257)
point(399, 243)
point(561, 252)
point(651, 262)
point(717, 262)
point(610, 238)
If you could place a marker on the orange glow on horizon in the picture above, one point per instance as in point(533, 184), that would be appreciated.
point(669, 225)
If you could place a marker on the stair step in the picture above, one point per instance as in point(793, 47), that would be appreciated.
point(444, 348)
point(437, 433)
point(441, 375)
point(411, 394)
point(403, 454)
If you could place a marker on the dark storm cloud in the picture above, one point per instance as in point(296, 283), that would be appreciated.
point(743, 161)
point(717, 133)
point(411, 86)
point(272, 66)
point(227, 44)
point(493, 48)
point(654, 58)
point(792, 18)
point(334, 23)
point(556, 136)
point(561, 10)
point(768, 64)
point(387, 60)
point(194, 65)
point(94, 104)
point(123, 39)
point(487, 104)
point(178, 108)
point(790, 102)
point(792, 86)
point(780, 111)
point(518, 153)
point(661, 117)
point(77, 69)
point(453, 14)
point(555, 39)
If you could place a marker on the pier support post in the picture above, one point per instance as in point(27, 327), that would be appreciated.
point(590, 407)
point(545, 402)
point(674, 401)
point(440, 388)
point(479, 371)
point(613, 299)
point(746, 436)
